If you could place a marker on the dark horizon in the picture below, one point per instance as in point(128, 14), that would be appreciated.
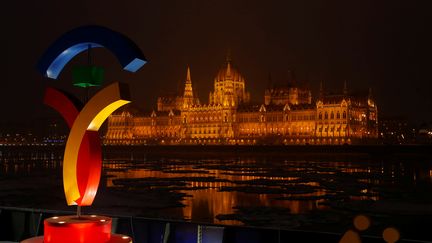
point(371, 45)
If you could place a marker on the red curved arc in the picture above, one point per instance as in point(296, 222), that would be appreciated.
point(89, 161)
point(89, 168)
point(62, 104)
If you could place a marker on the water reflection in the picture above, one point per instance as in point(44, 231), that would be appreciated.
point(218, 187)
point(205, 198)
point(215, 187)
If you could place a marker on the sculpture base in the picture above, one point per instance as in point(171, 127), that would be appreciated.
point(114, 239)
point(71, 229)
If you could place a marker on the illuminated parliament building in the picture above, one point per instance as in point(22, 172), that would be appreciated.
point(288, 115)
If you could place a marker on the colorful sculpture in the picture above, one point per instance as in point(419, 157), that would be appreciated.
point(82, 158)
point(82, 162)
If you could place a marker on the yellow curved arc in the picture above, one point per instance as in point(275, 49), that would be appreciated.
point(94, 113)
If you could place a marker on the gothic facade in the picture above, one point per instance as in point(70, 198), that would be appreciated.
point(288, 116)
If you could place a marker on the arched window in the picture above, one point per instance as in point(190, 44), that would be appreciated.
point(326, 115)
point(320, 116)
point(344, 115)
point(332, 115)
point(338, 115)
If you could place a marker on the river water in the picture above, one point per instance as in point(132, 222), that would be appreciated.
point(317, 192)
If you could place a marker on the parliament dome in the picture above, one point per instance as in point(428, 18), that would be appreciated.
point(228, 72)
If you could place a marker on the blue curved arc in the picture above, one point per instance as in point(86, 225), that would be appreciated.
point(78, 40)
point(58, 64)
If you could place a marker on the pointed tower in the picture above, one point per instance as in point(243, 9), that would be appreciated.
point(228, 56)
point(268, 91)
point(345, 89)
point(188, 91)
point(321, 91)
point(228, 70)
point(188, 98)
point(292, 82)
point(270, 81)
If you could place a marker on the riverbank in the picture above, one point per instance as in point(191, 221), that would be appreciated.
point(425, 150)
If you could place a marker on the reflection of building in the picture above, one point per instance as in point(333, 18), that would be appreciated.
point(206, 197)
point(287, 116)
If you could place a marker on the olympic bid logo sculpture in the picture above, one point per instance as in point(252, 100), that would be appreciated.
point(82, 156)
point(82, 162)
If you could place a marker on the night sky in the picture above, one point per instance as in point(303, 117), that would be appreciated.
point(385, 45)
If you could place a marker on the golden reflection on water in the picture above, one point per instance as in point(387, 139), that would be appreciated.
point(202, 205)
point(205, 199)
